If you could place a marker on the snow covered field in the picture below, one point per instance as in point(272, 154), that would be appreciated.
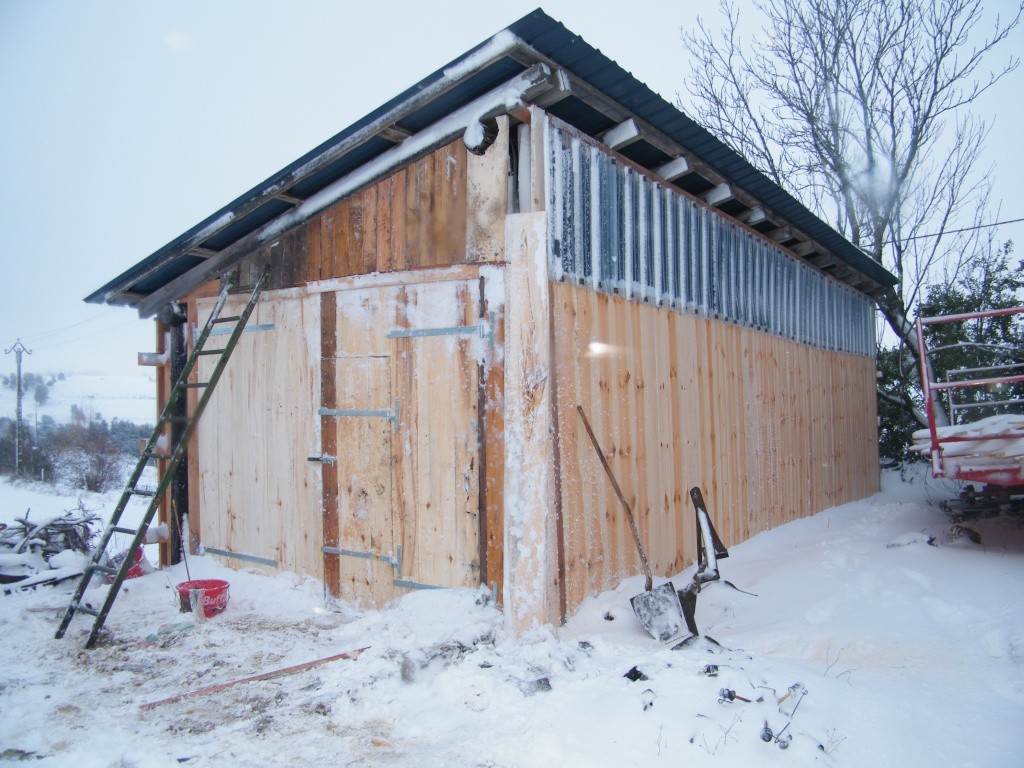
point(911, 655)
point(128, 397)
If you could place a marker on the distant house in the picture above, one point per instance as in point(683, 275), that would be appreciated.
point(526, 230)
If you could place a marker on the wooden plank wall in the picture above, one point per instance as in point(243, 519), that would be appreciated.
point(255, 485)
point(771, 430)
point(445, 208)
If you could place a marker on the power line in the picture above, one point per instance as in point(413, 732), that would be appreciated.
point(964, 229)
point(87, 336)
point(61, 329)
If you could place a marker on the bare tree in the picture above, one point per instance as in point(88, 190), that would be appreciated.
point(862, 109)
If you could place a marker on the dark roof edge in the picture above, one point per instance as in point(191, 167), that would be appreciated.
point(554, 41)
point(722, 157)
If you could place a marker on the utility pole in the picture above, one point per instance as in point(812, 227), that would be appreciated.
point(18, 349)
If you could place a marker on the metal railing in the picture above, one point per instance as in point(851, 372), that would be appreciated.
point(994, 377)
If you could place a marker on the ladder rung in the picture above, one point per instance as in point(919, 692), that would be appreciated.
point(196, 384)
point(210, 352)
point(85, 609)
point(231, 319)
point(161, 456)
point(121, 529)
point(141, 492)
point(103, 569)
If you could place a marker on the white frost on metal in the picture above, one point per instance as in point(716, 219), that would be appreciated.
point(498, 46)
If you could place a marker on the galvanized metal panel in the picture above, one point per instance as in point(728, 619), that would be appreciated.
point(620, 232)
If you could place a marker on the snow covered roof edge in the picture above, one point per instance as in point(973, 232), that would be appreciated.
point(449, 89)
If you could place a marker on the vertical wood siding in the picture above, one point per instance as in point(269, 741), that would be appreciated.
point(445, 208)
point(256, 489)
point(770, 429)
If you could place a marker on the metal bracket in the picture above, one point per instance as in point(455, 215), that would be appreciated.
point(391, 560)
point(196, 328)
point(247, 329)
point(484, 329)
point(406, 584)
point(323, 458)
point(391, 415)
point(203, 549)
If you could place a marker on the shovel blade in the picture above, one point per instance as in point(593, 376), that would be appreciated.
point(660, 611)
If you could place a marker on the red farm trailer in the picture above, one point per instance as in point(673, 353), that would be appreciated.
point(983, 444)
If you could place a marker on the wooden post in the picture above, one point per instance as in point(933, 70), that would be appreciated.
point(179, 485)
point(531, 559)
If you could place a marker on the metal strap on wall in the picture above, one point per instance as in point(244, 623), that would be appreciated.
point(394, 562)
point(483, 329)
point(248, 329)
point(204, 550)
point(390, 415)
point(617, 231)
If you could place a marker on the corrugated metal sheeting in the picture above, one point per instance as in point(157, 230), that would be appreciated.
point(618, 231)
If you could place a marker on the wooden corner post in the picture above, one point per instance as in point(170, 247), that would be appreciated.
point(531, 559)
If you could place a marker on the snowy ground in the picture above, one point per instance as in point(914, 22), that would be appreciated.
point(911, 654)
point(131, 397)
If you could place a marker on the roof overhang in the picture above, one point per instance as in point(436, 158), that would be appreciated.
point(534, 61)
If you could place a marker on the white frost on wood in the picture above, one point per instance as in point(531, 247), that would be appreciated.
point(530, 551)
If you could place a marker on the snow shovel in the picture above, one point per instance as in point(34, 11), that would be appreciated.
point(657, 608)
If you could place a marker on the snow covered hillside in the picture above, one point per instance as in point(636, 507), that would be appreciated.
point(126, 397)
point(907, 637)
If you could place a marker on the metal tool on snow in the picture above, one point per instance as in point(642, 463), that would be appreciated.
point(657, 608)
point(710, 550)
point(791, 699)
point(728, 694)
point(768, 736)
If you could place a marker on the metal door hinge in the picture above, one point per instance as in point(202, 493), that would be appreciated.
point(390, 415)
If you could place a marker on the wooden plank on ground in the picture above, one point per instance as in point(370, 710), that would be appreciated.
point(294, 669)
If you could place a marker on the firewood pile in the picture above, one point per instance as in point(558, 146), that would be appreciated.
point(30, 548)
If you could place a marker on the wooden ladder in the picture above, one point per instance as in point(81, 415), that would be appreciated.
point(99, 562)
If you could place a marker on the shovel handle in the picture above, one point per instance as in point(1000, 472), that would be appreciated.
point(625, 504)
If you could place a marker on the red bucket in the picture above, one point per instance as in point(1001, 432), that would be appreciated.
point(213, 595)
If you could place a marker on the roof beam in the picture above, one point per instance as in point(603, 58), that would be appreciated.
point(673, 169)
point(510, 94)
point(808, 247)
point(622, 135)
point(394, 134)
point(722, 193)
point(755, 216)
point(284, 197)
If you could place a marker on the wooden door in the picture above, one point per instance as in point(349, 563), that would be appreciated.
point(400, 439)
point(362, 469)
point(256, 490)
point(440, 513)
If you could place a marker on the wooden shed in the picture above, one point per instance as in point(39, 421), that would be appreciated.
point(526, 230)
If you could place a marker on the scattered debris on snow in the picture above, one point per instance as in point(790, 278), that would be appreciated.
point(870, 632)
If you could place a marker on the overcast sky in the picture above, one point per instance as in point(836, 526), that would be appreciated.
point(122, 124)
